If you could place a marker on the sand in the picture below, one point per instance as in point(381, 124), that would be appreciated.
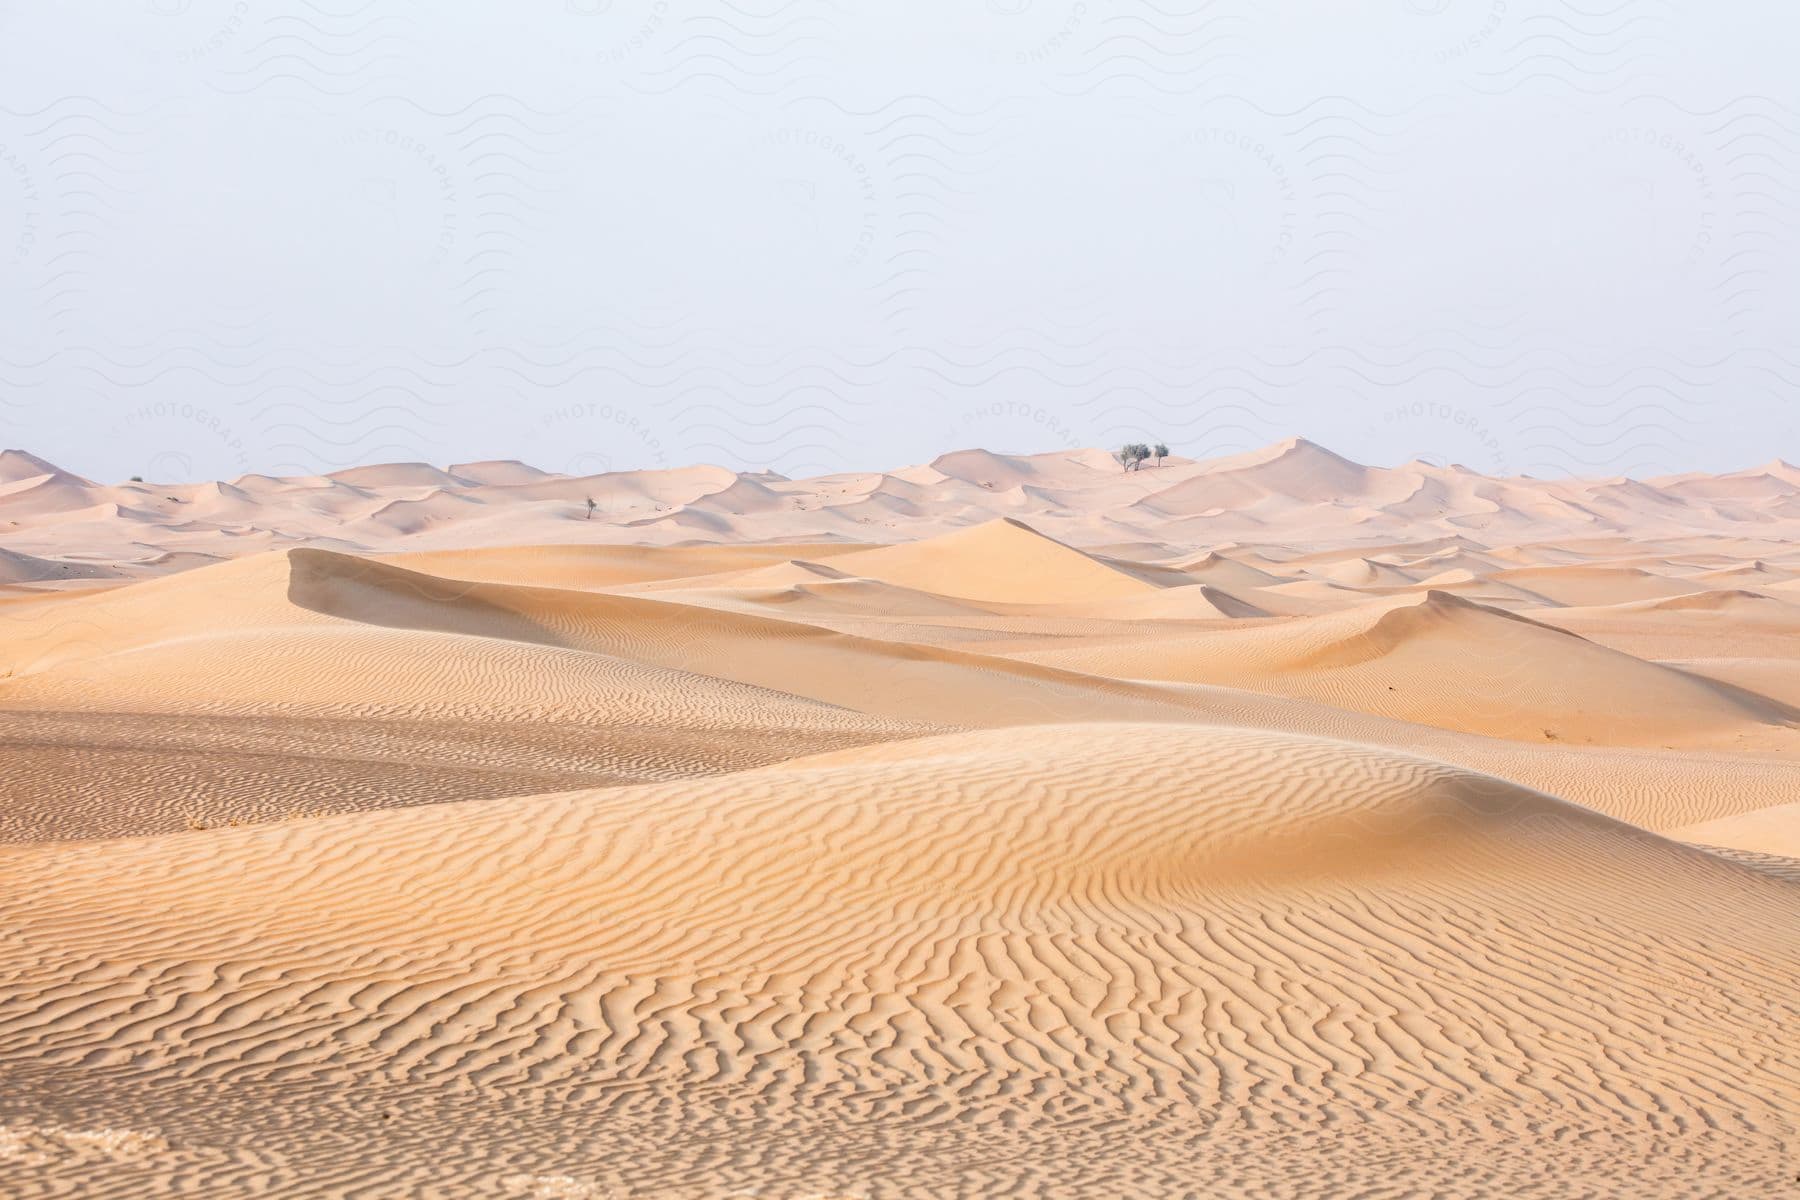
point(1273, 826)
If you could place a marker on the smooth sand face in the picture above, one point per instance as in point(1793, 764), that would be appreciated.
point(1278, 827)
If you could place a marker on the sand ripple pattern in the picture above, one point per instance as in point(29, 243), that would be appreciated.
point(1069, 960)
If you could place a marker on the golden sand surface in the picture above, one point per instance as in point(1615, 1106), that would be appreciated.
point(1009, 826)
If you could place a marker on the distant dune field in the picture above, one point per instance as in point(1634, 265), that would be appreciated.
point(1270, 826)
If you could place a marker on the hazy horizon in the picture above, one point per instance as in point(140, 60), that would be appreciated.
point(1175, 455)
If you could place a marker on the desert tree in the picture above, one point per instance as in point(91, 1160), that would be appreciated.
point(1160, 452)
point(591, 507)
point(1132, 454)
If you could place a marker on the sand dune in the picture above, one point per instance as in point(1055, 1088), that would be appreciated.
point(1735, 601)
point(1291, 470)
point(1773, 830)
point(1746, 575)
point(1003, 560)
point(1587, 585)
point(1414, 520)
point(1267, 965)
point(601, 567)
point(804, 587)
point(1224, 571)
point(497, 472)
point(1441, 660)
point(1720, 623)
point(614, 687)
point(1012, 825)
point(900, 683)
point(19, 465)
point(28, 568)
point(1197, 602)
point(392, 475)
point(247, 712)
point(1365, 573)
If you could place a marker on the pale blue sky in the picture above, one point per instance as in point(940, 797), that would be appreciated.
point(1530, 237)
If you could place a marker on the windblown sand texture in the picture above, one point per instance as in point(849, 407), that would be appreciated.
point(1272, 826)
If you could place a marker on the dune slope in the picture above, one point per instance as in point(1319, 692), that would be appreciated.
point(307, 682)
point(1440, 660)
point(989, 963)
point(1004, 560)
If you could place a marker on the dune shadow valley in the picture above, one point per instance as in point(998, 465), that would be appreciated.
point(1012, 825)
